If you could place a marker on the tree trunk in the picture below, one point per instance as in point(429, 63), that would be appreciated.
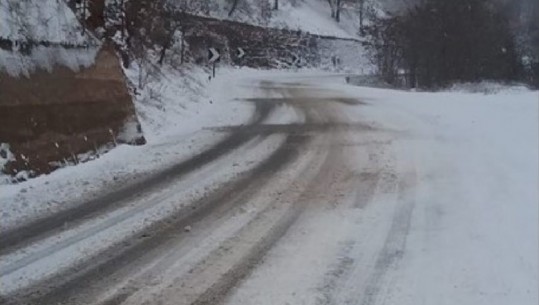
point(182, 47)
point(233, 8)
point(332, 9)
point(338, 11)
point(276, 5)
point(83, 17)
point(163, 53)
point(123, 18)
point(169, 42)
point(361, 14)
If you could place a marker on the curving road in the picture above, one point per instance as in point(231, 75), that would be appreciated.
point(99, 253)
point(320, 211)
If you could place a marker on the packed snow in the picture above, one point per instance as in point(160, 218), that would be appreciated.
point(40, 20)
point(314, 16)
point(453, 218)
point(48, 22)
point(91, 238)
point(5, 156)
point(17, 64)
point(178, 117)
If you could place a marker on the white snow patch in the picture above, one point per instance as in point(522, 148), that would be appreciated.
point(177, 126)
point(22, 267)
point(466, 165)
point(314, 16)
point(5, 156)
point(40, 20)
point(17, 64)
point(129, 132)
point(52, 32)
point(178, 102)
point(488, 87)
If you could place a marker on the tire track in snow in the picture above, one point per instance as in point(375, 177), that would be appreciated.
point(70, 287)
point(117, 257)
point(63, 286)
point(362, 263)
point(373, 179)
point(395, 242)
point(18, 237)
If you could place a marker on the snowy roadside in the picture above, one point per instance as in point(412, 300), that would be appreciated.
point(451, 217)
point(177, 123)
point(61, 251)
point(474, 229)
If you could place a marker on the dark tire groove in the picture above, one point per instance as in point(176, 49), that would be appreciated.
point(18, 237)
point(66, 287)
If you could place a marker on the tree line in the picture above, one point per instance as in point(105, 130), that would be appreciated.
point(438, 42)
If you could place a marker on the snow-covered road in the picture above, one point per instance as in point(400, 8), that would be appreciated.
point(439, 206)
point(330, 194)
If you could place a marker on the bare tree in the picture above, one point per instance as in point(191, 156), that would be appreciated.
point(336, 6)
point(173, 22)
point(265, 11)
point(439, 42)
point(206, 6)
point(338, 11)
point(84, 8)
point(361, 16)
point(331, 7)
point(123, 21)
point(233, 8)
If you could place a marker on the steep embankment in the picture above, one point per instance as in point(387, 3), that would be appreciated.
point(62, 93)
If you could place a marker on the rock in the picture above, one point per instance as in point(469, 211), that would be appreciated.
point(187, 229)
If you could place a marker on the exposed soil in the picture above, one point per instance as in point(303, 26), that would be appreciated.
point(51, 117)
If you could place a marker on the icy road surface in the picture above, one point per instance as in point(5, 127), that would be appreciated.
point(365, 197)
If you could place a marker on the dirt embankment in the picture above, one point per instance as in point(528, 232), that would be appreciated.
point(51, 117)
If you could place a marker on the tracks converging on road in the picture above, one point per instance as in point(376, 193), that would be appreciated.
point(191, 249)
point(18, 237)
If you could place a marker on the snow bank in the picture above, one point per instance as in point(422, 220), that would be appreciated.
point(351, 55)
point(5, 157)
point(474, 238)
point(17, 64)
point(176, 102)
point(40, 20)
point(49, 33)
point(314, 16)
point(452, 218)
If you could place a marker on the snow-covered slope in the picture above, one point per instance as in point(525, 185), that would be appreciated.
point(40, 20)
point(42, 34)
point(313, 16)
